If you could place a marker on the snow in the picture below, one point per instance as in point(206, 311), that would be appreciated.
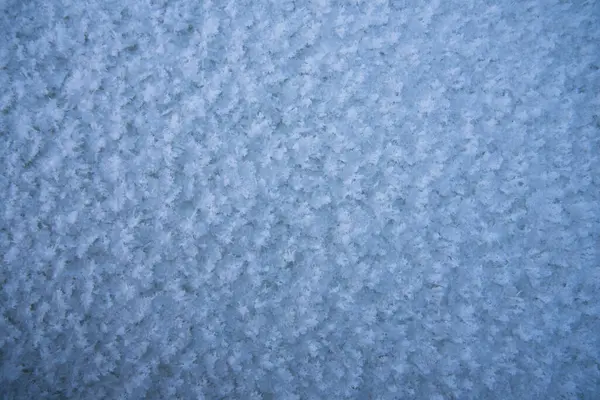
point(299, 200)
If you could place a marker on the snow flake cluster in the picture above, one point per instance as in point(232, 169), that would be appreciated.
point(385, 199)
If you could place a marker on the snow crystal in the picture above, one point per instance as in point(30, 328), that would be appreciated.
point(378, 199)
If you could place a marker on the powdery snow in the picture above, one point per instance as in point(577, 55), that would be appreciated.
point(299, 200)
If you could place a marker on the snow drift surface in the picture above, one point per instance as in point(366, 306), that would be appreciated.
point(299, 200)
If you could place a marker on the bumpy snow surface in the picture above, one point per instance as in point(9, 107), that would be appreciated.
point(299, 200)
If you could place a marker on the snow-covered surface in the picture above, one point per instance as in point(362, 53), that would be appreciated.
point(299, 200)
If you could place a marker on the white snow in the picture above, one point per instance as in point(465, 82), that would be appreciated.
point(299, 199)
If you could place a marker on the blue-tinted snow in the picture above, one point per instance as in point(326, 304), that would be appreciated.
point(299, 200)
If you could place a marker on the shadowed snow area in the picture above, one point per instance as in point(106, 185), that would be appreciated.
point(299, 199)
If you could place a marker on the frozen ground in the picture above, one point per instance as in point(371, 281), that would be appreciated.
point(299, 200)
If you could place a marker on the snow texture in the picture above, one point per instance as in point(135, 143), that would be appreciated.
point(299, 199)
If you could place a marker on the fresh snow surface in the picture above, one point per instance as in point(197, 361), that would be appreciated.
point(286, 199)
